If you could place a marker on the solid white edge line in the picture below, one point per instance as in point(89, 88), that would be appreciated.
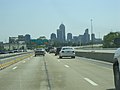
point(91, 82)
point(66, 66)
point(14, 67)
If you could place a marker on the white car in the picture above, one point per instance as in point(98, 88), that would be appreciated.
point(67, 52)
point(39, 51)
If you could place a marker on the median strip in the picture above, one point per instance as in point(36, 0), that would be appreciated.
point(15, 60)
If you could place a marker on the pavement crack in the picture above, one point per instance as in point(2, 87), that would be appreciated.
point(46, 70)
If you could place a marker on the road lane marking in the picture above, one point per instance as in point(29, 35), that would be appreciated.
point(101, 62)
point(58, 60)
point(14, 67)
point(66, 66)
point(23, 61)
point(91, 82)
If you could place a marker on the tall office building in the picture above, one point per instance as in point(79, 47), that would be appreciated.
point(21, 38)
point(75, 39)
point(92, 37)
point(62, 29)
point(13, 39)
point(69, 37)
point(86, 37)
point(59, 35)
point(27, 38)
point(53, 36)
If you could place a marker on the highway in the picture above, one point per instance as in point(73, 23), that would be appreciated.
point(51, 73)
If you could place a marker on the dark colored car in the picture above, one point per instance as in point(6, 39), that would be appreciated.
point(52, 50)
point(2, 52)
point(40, 51)
point(57, 50)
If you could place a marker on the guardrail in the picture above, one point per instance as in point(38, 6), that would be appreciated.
point(102, 56)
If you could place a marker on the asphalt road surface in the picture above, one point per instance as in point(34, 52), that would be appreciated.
point(51, 73)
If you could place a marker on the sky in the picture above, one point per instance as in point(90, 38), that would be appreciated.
point(43, 17)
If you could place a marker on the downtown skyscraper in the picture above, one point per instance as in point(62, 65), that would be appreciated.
point(61, 33)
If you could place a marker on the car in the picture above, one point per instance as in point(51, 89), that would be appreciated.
point(2, 52)
point(67, 52)
point(10, 51)
point(52, 50)
point(116, 69)
point(57, 50)
point(39, 51)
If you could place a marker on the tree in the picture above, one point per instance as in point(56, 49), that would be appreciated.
point(108, 40)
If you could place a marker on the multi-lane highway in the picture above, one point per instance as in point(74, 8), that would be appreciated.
point(51, 73)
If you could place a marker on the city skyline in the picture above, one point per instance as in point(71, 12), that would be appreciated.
point(85, 38)
point(42, 17)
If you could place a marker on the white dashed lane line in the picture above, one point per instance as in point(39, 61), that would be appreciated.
point(91, 82)
point(24, 61)
point(58, 60)
point(86, 79)
point(66, 66)
point(14, 68)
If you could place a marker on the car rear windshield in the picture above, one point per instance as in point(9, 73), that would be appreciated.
point(67, 49)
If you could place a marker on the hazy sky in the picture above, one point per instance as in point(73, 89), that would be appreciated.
point(43, 17)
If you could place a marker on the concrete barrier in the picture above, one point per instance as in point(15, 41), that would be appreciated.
point(108, 57)
point(12, 55)
point(13, 60)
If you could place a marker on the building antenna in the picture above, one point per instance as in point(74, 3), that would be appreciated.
point(91, 33)
point(91, 27)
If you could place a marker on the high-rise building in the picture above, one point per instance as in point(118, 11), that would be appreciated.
point(86, 37)
point(27, 38)
point(81, 39)
point(92, 37)
point(13, 39)
point(59, 35)
point(62, 29)
point(53, 36)
point(1, 46)
point(21, 38)
point(75, 39)
point(69, 37)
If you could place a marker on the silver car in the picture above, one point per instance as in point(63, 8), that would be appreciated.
point(39, 51)
point(67, 52)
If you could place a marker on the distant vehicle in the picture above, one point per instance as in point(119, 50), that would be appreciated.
point(15, 51)
point(10, 51)
point(57, 51)
point(2, 52)
point(40, 51)
point(67, 52)
point(52, 50)
point(116, 69)
point(24, 50)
